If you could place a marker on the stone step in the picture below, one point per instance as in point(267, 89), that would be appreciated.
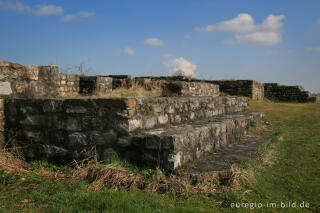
point(218, 164)
point(177, 145)
point(122, 115)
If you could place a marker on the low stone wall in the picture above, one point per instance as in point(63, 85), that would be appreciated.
point(177, 145)
point(247, 88)
point(122, 81)
point(95, 85)
point(68, 84)
point(28, 81)
point(277, 92)
point(167, 85)
point(149, 113)
point(62, 128)
point(182, 88)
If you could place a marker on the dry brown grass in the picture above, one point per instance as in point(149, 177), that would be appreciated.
point(114, 176)
point(11, 163)
point(108, 176)
point(147, 90)
point(236, 177)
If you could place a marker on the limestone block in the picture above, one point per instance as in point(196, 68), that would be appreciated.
point(51, 151)
point(31, 72)
point(5, 88)
point(77, 140)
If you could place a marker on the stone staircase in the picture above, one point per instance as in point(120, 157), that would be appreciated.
point(168, 131)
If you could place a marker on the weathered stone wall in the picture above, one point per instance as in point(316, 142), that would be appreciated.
point(68, 84)
point(147, 113)
point(247, 88)
point(277, 92)
point(177, 145)
point(122, 81)
point(182, 88)
point(257, 91)
point(95, 85)
point(167, 85)
point(64, 128)
point(28, 81)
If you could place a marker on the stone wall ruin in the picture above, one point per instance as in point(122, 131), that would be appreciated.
point(61, 117)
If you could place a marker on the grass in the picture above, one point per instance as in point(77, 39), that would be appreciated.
point(286, 168)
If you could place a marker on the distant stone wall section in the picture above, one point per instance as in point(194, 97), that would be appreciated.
point(247, 88)
point(95, 85)
point(28, 81)
point(68, 84)
point(182, 88)
point(283, 93)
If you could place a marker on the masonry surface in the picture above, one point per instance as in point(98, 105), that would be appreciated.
point(62, 117)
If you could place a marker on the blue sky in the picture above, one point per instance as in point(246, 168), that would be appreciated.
point(268, 41)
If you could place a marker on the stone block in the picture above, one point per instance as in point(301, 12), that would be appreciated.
point(77, 140)
point(109, 153)
point(5, 88)
point(51, 151)
point(76, 109)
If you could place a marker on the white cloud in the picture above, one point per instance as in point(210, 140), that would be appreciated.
point(242, 23)
point(43, 10)
point(68, 18)
point(73, 17)
point(271, 23)
point(47, 10)
point(246, 31)
point(181, 67)
point(314, 49)
point(128, 50)
point(262, 38)
point(154, 42)
point(167, 55)
point(17, 7)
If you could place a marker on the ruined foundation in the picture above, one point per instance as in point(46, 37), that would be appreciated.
point(61, 118)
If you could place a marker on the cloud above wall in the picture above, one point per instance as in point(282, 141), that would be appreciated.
point(128, 50)
point(181, 67)
point(43, 10)
point(154, 42)
point(269, 32)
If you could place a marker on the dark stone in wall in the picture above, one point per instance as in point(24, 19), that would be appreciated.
point(247, 88)
point(95, 85)
point(87, 85)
